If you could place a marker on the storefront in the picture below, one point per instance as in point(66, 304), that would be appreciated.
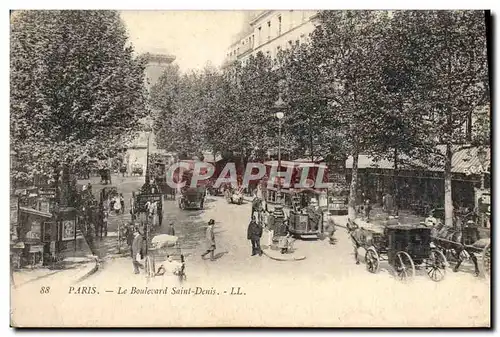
point(30, 233)
point(41, 229)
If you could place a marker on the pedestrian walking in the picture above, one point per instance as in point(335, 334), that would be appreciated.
point(137, 250)
point(270, 230)
point(117, 205)
point(388, 203)
point(122, 203)
point(160, 214)
point(105, 221)
point(171, 229)
point(210, 237)
point(254, 233)
point(367, 209)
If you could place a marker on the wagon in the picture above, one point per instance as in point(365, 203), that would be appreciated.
point(405, 248)
point(234, 196)
point(137, 169)
point(192, 198)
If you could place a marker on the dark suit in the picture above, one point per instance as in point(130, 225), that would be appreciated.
point(254, 233)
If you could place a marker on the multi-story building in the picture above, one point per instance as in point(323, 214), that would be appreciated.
point(137, 150)
point(269, 32)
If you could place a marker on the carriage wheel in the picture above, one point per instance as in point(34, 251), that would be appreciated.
point(487, 260)
point(372, 260)
point(435, 265)
point(404, 266)
point(150, 267)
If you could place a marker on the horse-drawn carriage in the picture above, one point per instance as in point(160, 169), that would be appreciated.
point(136, 169)
point(462, 243)
point(465, 240)
point(234, 196)
point(404, 247)
point(192, 197)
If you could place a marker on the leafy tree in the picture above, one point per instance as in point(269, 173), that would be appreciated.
point(449, 60)
point(349, 56)
point(163, 96)
point(253, 125)
point(76, 89)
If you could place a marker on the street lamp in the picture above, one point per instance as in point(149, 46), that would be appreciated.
point(279, 106)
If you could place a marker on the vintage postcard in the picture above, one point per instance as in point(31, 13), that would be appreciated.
point(270, 168)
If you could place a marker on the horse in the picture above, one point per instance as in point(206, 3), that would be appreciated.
point(361, 238)
point(357, 236)
point(457, 239)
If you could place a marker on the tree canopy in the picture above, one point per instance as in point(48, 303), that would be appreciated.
point(77, 91)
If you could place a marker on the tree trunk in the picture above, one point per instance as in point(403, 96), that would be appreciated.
point(311, 143)
point(395, 177)
point(354, 186)
point(448, 200)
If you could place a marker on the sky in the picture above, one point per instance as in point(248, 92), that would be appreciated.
point(193, 37)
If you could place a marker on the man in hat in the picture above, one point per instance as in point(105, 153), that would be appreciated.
point(254, 233)
point(210, 236)
point(137, 245)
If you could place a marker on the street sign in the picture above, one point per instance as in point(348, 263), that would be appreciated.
point(142, 199)
point(47, 192)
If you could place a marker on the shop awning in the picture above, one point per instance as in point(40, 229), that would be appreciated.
point(35, 212)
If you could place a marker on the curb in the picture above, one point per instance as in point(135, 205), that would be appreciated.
point(295, 258)
point(89, 273)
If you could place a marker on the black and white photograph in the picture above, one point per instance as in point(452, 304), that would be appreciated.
point(250, 168)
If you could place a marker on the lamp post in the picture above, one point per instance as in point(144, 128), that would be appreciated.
point(279, 106)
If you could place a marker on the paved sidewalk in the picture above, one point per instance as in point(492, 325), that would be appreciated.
point(275, 254)
point(71, 269)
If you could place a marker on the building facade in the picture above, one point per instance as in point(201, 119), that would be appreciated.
point(269, 32)
point(137, 150)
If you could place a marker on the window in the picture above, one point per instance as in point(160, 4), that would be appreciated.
point(268, 30)
point(259, 36)
point(279, 25)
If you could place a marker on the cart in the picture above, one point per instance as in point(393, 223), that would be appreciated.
point(234, 196)
point(192, 198)
point(164, 257)
point(137, 169)
point(405, 247)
